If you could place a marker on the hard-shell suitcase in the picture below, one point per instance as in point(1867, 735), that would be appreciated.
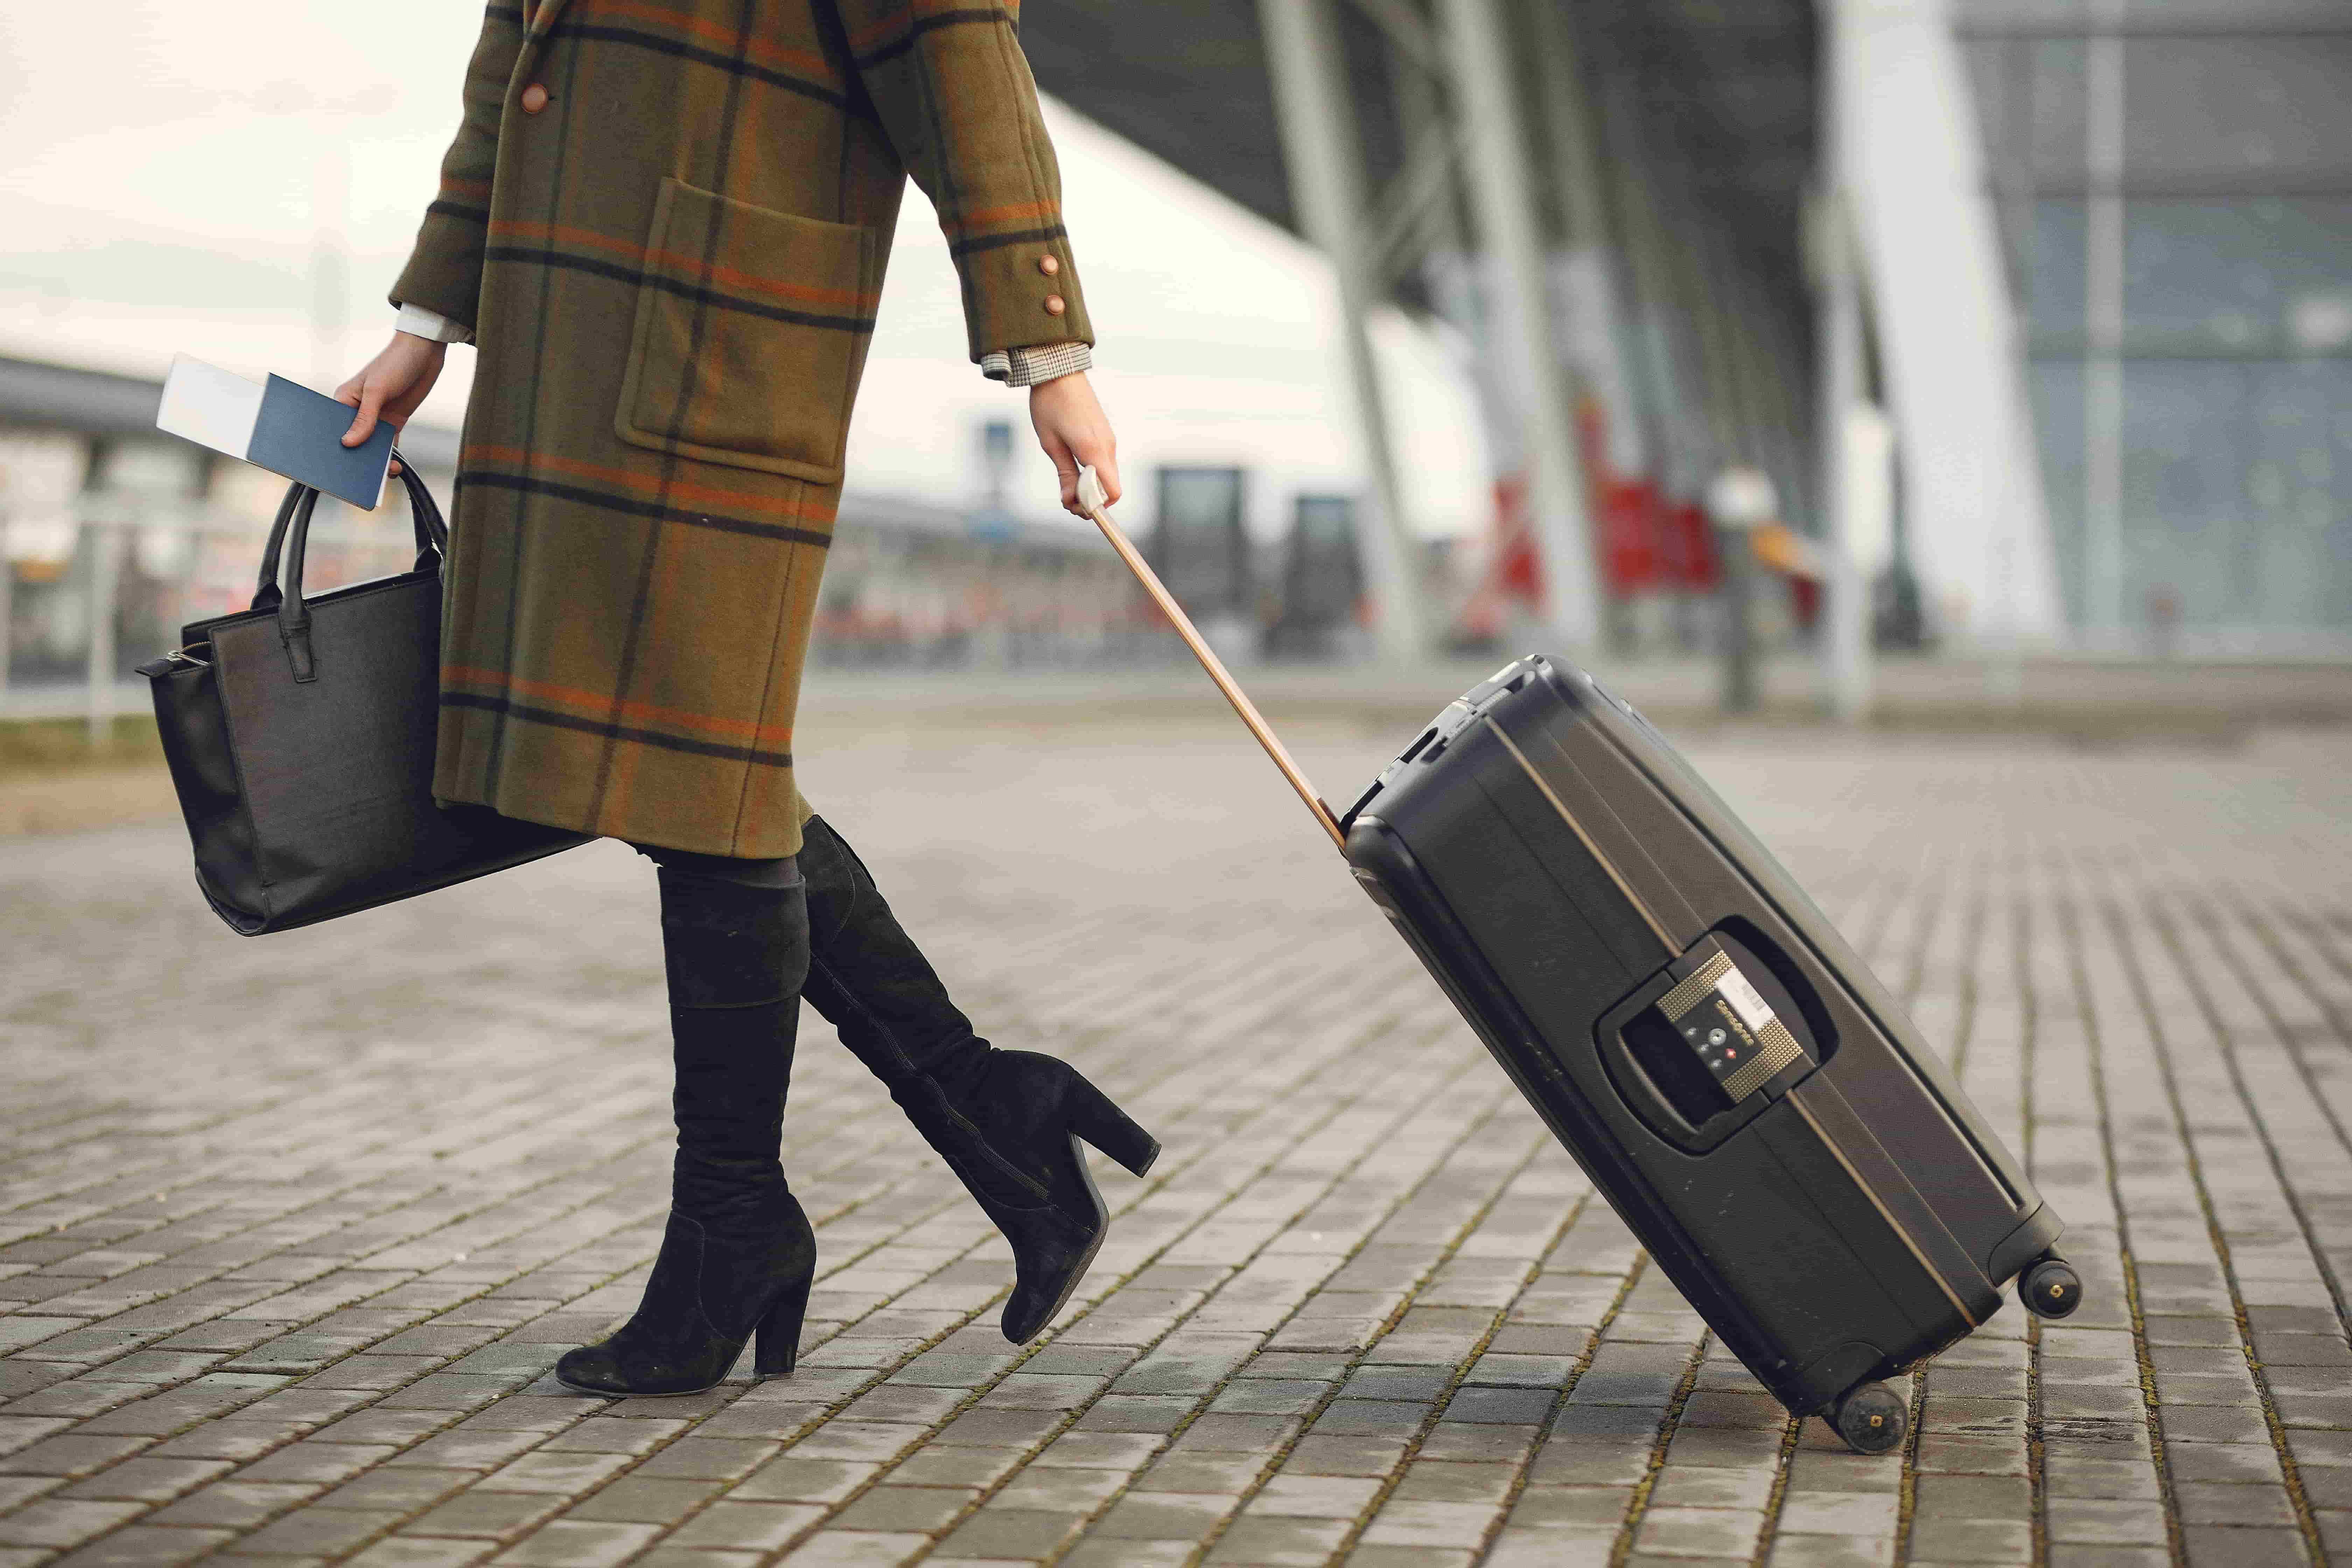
point(1728, 1072)
point(1744, 1093)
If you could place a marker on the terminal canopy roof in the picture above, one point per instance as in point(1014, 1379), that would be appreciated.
point(1724, 90)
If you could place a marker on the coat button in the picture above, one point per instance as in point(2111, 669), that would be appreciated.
point(1049, 265)
point(534, 99)
point(1054, 306)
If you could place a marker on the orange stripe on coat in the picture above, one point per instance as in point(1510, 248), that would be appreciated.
point(860, 41)
point(726, 38)
point(676, 489)
point(589, 239)
point(603, 704)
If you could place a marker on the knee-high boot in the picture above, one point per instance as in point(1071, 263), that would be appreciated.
point(1006, 1121)
point(739, 1254)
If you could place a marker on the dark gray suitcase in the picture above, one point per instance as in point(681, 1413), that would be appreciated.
point(1733, 1079)
point(1727, 1071)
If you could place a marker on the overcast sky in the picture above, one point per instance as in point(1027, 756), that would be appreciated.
point(168, 165)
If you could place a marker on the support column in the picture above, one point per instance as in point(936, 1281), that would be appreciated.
point(1679, 410)
point(1837, 326)
point(1591, 264)
point(1503, 197)
point(7, 603)
point(1317, 124)
point(104, 544)
point(1945, 323)
point(2103, 322)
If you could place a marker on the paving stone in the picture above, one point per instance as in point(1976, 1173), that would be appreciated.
point(557, 1474)
point(1499, 1406)
point(1688, 1486)
point(311, 1531)
point(1018, 1533)
point(1446, 1480)
point(2212, 1502)
point(1315, 1497)
point(1577, 1463)
point(1280, 1541)
point(573, 1543)
point(401, 1489)
point(856, 1549)
point(1406, 1521)
point(1206, 1473)
point(1839, 1513)
point(1554, 1548)
point(475, 1448)
point(1700, 1531)
point(407, 1552)
point(1831, 1552)
point(1974, 1497)
point(1062, 1489)
point(746, 1526)
point(999, 1428)
point(2214, 1546)
point(1268, 1396)
point(60, 1521)
point(148, 1480)
point(1352, 1418)
point(497, 1516)
point(318, 1462)
point(14, 1490)
point(1238, 1434)
point(70, 1456)
point(857, 1440)
point(1972, 1541)
point(147, 1546)
point(2105, 1522)
point(910, 1406)
point(1165, 1516)
point(236, 1505)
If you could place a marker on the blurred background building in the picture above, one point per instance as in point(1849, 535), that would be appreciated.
point(2174, 183)
point(2013, 325)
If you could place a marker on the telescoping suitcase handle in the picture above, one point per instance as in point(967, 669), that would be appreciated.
point(1090, 496)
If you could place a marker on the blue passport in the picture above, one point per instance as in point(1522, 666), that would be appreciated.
point(281, 426)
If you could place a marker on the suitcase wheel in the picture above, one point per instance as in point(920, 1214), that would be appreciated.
point(2050, 1288)
point(1871, 1418)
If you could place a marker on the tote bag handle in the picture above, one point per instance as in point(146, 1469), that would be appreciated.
point(291, 534)
point(431, 532)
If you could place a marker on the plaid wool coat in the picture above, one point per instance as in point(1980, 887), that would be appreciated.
point(667, 223)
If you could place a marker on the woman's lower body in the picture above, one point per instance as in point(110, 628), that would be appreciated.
point(742, 942)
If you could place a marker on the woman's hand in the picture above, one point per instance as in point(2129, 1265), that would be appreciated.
point(392, 385)
point(1075, 432)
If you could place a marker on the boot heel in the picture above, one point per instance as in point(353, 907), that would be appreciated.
point(1094, 1118)
point(779, 1343)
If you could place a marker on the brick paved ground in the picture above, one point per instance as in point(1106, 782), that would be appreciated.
point(293, 1229)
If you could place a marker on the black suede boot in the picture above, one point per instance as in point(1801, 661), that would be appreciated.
point(738, 1253)
point(1007, 1122)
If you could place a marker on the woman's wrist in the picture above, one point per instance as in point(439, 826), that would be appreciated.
point(1033, 364)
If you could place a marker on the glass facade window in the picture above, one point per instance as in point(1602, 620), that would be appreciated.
point(2202, 270)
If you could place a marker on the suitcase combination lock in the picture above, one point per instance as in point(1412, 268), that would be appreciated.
point(1707, 1044)
point(1737, 1037)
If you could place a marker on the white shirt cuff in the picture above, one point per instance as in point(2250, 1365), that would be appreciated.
point(431, 325)
point(1034, 365)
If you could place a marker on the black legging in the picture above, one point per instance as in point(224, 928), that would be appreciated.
point(783, 871)
point(735, 948)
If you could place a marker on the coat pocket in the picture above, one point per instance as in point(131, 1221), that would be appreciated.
point(751, 330)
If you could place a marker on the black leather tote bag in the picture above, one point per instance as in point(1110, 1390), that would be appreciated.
point(299, 734)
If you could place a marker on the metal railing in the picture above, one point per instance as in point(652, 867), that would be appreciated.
point(86, 599)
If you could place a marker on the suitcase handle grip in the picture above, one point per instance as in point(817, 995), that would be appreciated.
point(1090, 496)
